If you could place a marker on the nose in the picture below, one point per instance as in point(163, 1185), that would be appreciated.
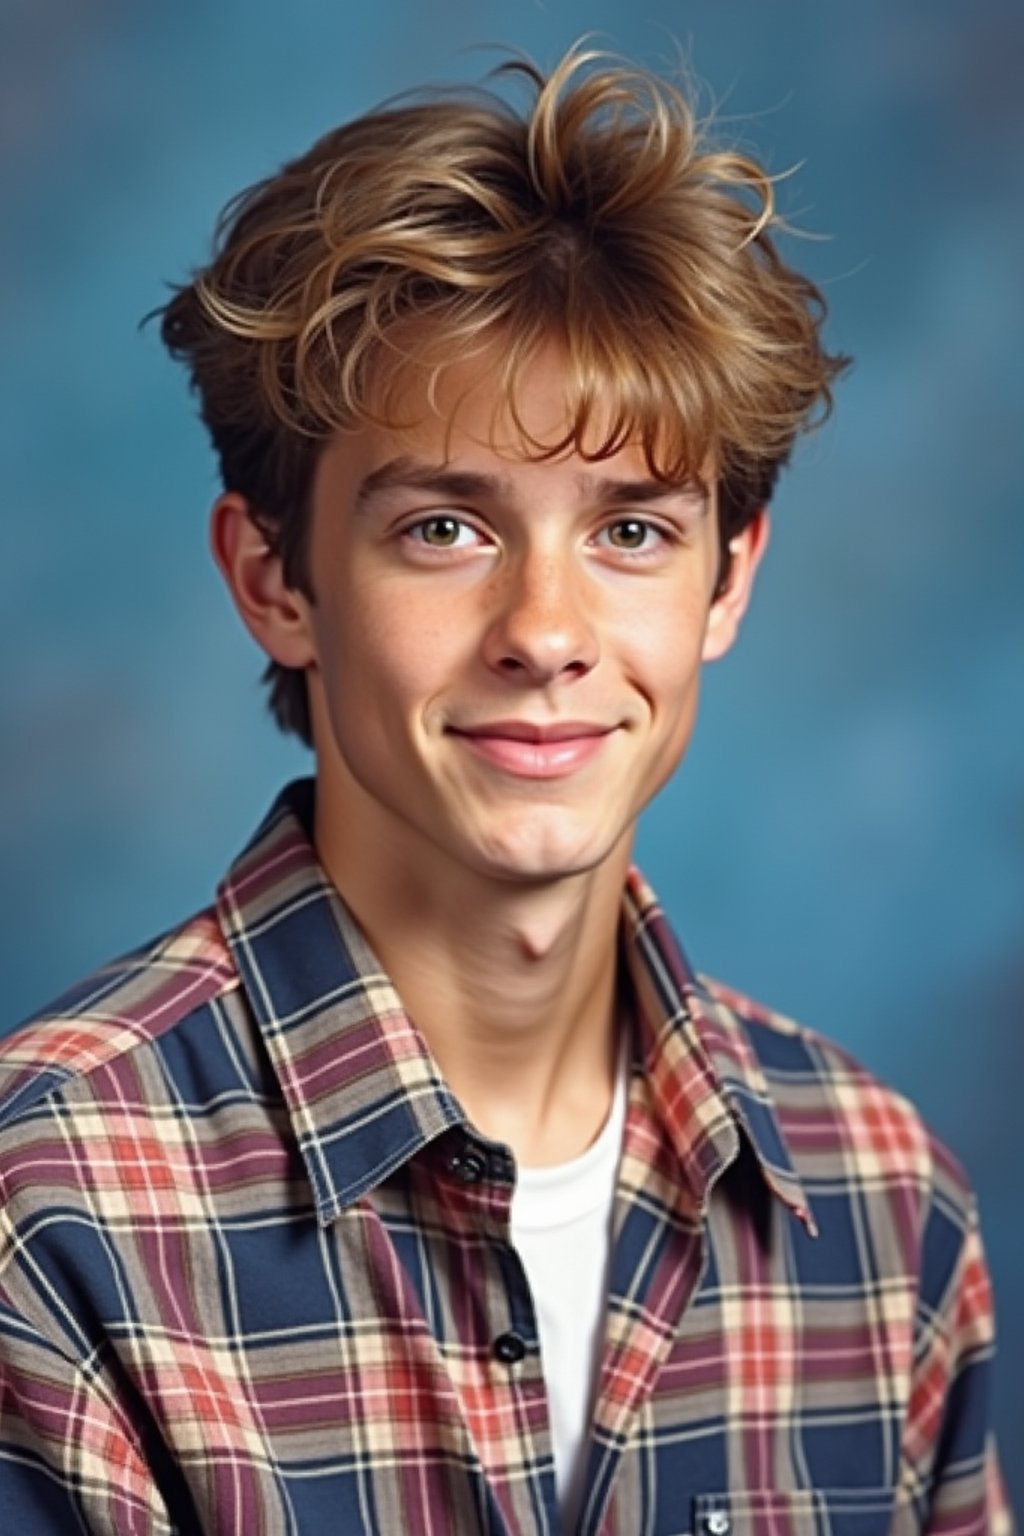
point(542, 624)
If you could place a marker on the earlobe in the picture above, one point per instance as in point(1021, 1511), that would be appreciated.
point(745, 553)
point(276, 615)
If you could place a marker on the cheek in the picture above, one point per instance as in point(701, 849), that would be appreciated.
point(662, 648)
point(379, 658)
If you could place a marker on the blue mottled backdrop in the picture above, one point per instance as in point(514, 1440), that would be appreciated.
point(845, 840)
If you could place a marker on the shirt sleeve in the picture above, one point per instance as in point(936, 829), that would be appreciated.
point(69, 1460)
point(951, 1465)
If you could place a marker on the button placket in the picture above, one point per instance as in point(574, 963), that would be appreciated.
point(473, 1165)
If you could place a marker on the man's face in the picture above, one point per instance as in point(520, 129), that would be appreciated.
point(504, 654)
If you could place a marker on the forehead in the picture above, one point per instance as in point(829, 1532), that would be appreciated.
point(474, 448)
point(522, 408)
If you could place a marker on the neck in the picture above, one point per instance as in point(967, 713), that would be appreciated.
point(513, 985)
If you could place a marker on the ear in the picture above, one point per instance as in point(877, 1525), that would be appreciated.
point(276, 615)
point(728, 608)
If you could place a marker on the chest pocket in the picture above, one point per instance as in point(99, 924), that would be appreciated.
point(805, 1512)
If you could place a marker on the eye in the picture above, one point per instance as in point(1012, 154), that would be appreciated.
point(443, 531)
point(632, 536)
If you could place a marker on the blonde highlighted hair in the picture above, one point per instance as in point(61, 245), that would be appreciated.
point(599, 218)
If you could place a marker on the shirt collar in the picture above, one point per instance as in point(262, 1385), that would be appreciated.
point(362, 1089)
point(361, 1086)
point(703, 1075)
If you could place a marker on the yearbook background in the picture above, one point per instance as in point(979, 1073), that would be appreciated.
point(845, 840)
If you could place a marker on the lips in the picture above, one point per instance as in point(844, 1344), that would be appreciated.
point(528, 750)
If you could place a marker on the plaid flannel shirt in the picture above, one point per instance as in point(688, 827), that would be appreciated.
point(256, 1277)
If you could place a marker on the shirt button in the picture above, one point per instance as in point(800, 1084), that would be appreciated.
point(469, 1166)
point(509, 1348)
point(717, 1523)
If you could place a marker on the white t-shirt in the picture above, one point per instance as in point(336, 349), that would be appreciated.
point(561, 1229)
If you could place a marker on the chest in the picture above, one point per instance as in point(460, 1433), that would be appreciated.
point(384, 1372)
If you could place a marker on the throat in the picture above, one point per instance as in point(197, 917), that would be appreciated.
point(513, 986)
point(535, 1068)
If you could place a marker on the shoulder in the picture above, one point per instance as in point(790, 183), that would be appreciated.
point(126, 1005)
point(844, 1127)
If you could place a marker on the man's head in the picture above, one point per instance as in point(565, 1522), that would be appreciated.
point(419, 235)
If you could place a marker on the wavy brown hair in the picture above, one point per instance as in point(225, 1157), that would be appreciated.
point(600, 217)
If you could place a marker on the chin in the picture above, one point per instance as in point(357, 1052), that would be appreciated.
point(533, 860)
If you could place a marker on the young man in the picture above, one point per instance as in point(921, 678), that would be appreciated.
point(420, 1185)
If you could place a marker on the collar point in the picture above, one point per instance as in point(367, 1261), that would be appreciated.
point(806, 1215)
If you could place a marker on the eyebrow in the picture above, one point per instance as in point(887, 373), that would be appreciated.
point(407, 473)
point(630, 493)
